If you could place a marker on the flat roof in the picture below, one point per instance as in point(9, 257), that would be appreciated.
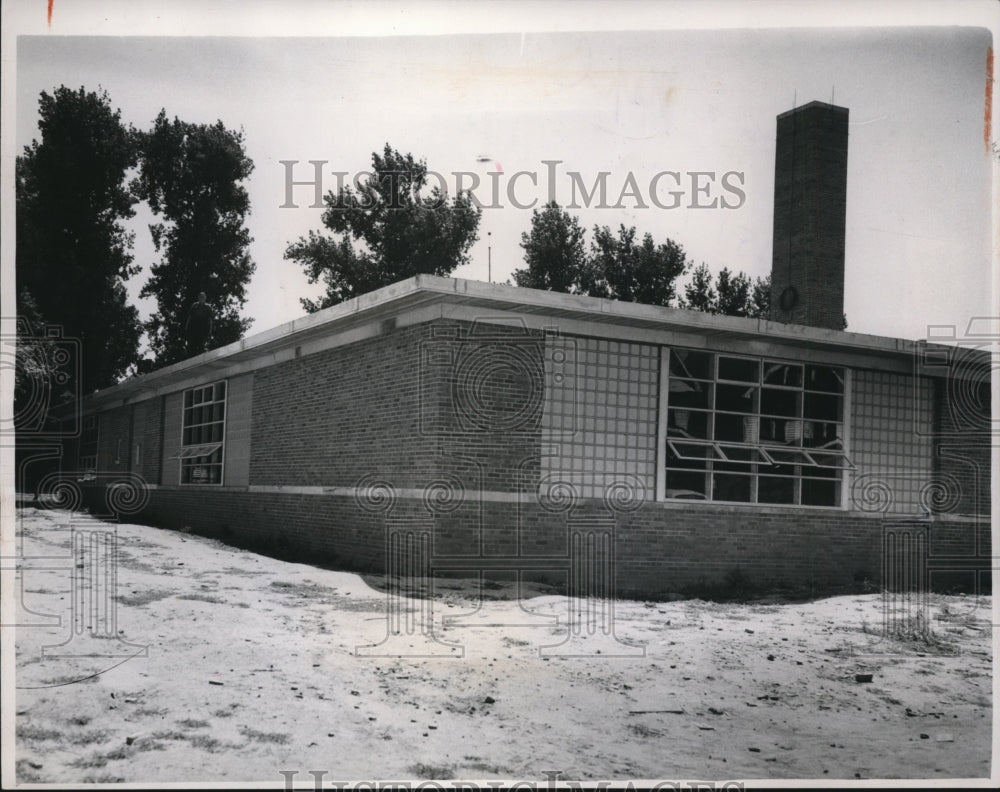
point(426, 290)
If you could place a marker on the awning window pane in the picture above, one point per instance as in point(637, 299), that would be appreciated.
point(746, 455)
point(825, 460)
point(788, 456)
point(693, 450)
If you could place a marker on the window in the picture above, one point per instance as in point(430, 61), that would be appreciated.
point(87, 453)
point(753, 430)
point(202, 434)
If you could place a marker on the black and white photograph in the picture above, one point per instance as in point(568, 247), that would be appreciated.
point(466, 396)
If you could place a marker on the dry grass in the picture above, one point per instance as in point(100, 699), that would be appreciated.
point(278, 738)
point(140, 598)
point(431, 771)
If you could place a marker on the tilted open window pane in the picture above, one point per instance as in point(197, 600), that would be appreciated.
point(694, 450)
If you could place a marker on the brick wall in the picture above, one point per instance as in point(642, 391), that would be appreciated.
point(239, 409)
point(114, 439)
point(173, 409)
point(658, 549)
point(330, 418)
point(447, 409)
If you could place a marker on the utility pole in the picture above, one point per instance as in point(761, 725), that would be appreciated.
point(489, 258)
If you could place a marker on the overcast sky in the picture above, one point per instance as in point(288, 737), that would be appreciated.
point(635, 101)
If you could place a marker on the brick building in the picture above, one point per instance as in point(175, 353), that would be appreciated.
point(469, 427)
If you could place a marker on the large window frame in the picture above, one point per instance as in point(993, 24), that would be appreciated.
point(203, 435)
point(752, 430)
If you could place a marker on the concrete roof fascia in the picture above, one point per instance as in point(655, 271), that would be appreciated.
point(422, 289)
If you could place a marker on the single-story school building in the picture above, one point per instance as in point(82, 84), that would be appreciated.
point(502, 421)
point(448, 426)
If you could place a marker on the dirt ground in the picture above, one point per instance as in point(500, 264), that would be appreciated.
point(230, 666)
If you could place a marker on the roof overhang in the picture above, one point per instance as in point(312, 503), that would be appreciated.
point(427, 290)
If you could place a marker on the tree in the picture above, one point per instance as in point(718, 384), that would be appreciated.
point(554, 253)
point(760, 298)
point(643, 273)
point(73, 253)
point(699, 295)
point(390, 227)
point(733, 291)
point(192, 177)
point(733, 294)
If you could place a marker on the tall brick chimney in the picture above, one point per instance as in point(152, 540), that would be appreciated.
point(810, 204)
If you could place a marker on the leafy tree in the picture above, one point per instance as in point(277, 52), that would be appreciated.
point(643, 272)
point(390, 227)
point(733, 294)
point(192, 177)
point(699, 294)
point(733, 291)
point(73, 253)
point(554, 253)
point(760, 298)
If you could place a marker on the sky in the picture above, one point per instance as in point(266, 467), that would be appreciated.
point(594, 91)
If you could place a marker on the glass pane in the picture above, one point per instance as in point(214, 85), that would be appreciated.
point(187, 398)
point(823, 434)
point(687, 485)
point(687, 423)
point(736, 428)
point(739, 369)
point(690, 393)
point(823, 472)
point(824, 407)
point(674, 461)
point(693, 451)
point(787, 374)
point(830, 460)
point(772, 489)
point(736, 398)
point(742, 454)
point(787, 456)
point(784, 431)
point(772, 430)
point(774, 401)
point(220, 391)
point(820, 493)
point(690, 363)
point(729, 487)
point(825, 378)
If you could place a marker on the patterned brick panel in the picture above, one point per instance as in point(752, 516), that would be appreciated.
point(891, 444)
point(599, 424)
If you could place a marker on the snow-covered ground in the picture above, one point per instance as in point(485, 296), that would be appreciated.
point(234, 667)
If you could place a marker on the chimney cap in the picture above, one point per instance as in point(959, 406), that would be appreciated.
point(817, 104)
